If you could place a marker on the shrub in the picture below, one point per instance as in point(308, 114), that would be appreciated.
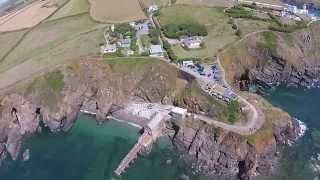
point(125, 29)
point(233, 111)
point(177, 30)
point(154, 35)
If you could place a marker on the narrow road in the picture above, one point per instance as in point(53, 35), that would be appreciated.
point(255, 117)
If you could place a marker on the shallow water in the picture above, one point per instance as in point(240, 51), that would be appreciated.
point(91, 152)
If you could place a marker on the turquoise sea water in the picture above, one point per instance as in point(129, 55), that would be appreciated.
point(91, 152)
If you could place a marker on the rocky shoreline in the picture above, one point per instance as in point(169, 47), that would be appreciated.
point(215, 151)
point(220, 154)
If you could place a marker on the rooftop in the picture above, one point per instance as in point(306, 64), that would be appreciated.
point(178, 110)
point(154, 49)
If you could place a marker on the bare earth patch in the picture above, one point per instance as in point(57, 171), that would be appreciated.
point(28, 16)
point(116, 11)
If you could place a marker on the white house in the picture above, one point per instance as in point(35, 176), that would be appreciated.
point(108, 49)
point(132, 24)
point(153, 8)
point(156, 51)
point(178, 113)
point(193, 42)
point(124, 43)
point(295, 10)
point(187, 63)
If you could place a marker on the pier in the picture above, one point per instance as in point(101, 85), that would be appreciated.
point(144, 141)
point(152, 130)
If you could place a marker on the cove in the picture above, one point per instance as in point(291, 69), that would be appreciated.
point(92, 152)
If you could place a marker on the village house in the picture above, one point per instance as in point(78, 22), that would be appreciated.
point(124, 42)
point(178, 113)
point(153, 8)
point(187, 63)
point(108, 49)
point(296, 10)
point(142, 28)
point(193, 42)
point(156, 51)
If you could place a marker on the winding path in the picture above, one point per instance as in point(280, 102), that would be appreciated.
point(255, 117)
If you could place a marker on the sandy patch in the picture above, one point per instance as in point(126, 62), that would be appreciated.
point(27, 17)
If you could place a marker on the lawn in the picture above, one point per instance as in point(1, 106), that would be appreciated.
point(116, 11)
point(146, 41)
point(220, 33)
point(73, 7)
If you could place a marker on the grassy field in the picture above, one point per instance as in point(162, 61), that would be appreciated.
point(158, 2)
point(47, 38)
point(48, 46)
point(10, 39)
point(116, 11)
point(220, 33)
point(248, 25)
point(73, 7)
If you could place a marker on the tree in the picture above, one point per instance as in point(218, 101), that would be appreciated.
point(154, 35)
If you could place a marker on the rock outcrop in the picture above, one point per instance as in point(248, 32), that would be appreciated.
point(220, 154)
point(54, 100)
point(293, 61)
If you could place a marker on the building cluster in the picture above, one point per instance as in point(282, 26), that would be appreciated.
point(295, 10)
point(292, 11)
point(113, 44)
point(125, 42)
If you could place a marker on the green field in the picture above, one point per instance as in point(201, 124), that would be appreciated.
point(220, 33)
point(73, 7)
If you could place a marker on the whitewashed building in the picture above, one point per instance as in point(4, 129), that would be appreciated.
point(178, 113)
point(156, 51)
point(153, 8)
point(187, 63)
point(108, 49)
point(193, 42)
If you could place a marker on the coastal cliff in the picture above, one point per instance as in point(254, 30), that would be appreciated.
point(219, 154)
point(272, 59)
point(101, 86)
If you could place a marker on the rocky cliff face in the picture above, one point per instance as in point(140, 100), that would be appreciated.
point(54, 100)
point(220, 154)
point(292, 61)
